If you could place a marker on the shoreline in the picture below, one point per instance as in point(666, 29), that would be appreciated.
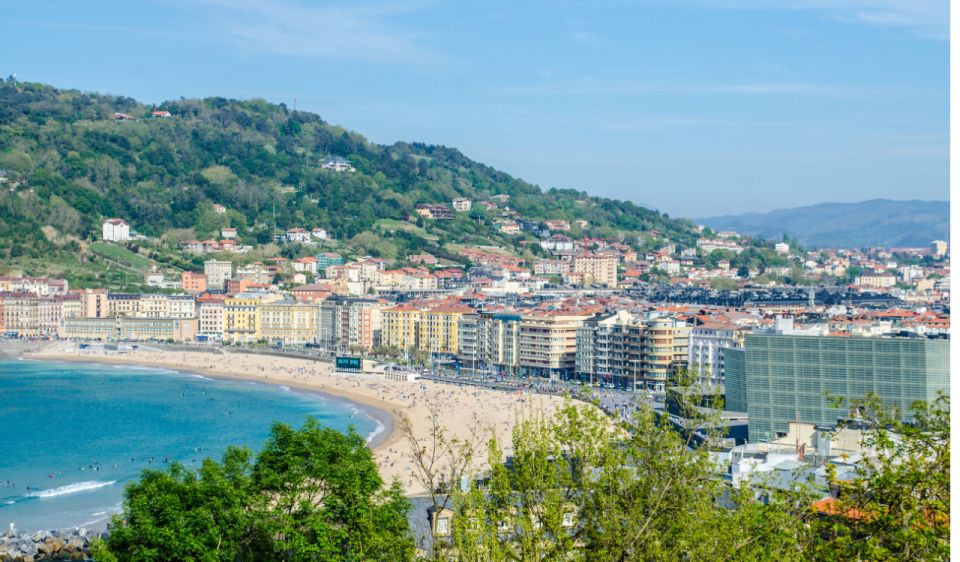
point(383, 413)
point(466, 414)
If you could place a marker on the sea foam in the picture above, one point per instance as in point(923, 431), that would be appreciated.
point(72, 489)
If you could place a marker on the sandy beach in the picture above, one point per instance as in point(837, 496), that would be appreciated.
point(464, 412)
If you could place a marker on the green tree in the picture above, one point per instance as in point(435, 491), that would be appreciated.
point(899, 506)
point(580, 487)
point(312, 494)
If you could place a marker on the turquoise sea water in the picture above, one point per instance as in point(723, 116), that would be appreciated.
point(73, 434)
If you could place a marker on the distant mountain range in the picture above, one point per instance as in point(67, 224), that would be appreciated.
point(878, 222)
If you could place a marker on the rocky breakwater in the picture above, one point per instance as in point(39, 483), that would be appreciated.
point(71, 544)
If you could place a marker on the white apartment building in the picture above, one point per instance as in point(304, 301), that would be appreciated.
point(706, 345)
point(210, 312)
point(116, 230)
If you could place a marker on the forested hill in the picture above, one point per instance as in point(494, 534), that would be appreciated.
point(878, 222)
point(67, 163)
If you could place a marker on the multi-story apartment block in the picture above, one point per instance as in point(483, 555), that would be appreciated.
point(599, 269)
point(605, 351)
point(359, 323)
point(664, 343)
point(548, 342)
point(706, 345)
point(211, 316)
point(462, 204)
point(428, 327)
point(401, 327)
point(192, 282)
point(241, 316)
point(71, 306)
point(122, 304)
point(778, 379)
point(257, 273)
point(439, 334)
point(218, 273)
point(623, 350)
point(21, 314)
point(289, 322)
point(939, 248)
point(95, 303)
point(557, 268)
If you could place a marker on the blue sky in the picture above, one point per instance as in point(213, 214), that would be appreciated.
point(694, 107)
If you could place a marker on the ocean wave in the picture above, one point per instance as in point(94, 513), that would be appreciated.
point(284, 388)
point(380, 429)
point(72, 489)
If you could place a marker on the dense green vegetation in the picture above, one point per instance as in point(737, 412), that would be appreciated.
point(576, 487)
point(67, 164)
point(311, 494)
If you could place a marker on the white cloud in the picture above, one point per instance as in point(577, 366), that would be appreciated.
point(358, 31)
point(593, 86)
point(927, 18)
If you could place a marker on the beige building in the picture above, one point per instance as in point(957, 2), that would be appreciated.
point(664, 346)
point(94, 303)
point(130, 329)
point(210, 315)
point(599, 269)
point(257, 272)
point(241, 316)
point(623, 350)
point(427, 327)
point(21, 314)
point(151, 306)
point(289, 322)
point(879, 281)
point(548, 342)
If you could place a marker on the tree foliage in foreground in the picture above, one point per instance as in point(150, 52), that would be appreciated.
point(899, 509)
point(312, 494)
point(577, 487)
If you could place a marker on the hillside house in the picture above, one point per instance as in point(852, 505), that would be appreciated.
point(557, 225)
point(337, 164)
point(434, 212)
point(116, 230)
point(557, 243)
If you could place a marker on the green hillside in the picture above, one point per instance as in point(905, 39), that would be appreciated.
point(66, 164)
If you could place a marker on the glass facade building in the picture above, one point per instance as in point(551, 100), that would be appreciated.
point(777, 379)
